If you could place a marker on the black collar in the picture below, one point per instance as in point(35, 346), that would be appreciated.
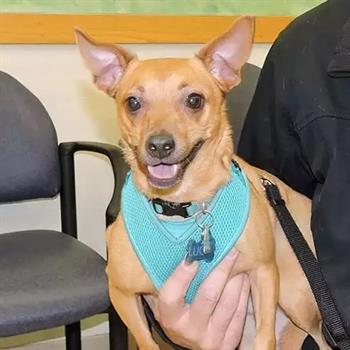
point(171, 208)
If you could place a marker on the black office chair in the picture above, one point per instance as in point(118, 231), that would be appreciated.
point(48, 278)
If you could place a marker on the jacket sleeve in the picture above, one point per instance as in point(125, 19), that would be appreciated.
point(268, 139)
point(327, 143)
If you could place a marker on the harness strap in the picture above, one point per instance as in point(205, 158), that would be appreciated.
point(333, 329)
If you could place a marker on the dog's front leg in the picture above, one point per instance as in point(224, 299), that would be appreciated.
point(131, 312)
point(265, 287)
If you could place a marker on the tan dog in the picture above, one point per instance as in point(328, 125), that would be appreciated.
point(181, 102)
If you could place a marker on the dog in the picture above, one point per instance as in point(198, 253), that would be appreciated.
point(176, 138)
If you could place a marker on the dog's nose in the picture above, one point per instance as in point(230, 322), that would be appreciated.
point(160, 146)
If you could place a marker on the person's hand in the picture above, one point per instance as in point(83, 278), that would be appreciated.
point(215, 319)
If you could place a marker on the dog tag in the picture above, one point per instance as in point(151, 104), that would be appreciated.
point(203, 249)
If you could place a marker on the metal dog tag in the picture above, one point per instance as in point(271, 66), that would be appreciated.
point(207, 248)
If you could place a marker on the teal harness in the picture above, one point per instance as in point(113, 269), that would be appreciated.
point(161, 244)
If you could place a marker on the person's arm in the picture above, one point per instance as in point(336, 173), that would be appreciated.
point(215, 319)
point(327, 142)
point(312, 157)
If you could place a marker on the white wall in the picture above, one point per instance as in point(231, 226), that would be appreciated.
point(55, 74)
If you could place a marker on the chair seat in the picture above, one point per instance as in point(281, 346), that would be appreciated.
point(48, 279)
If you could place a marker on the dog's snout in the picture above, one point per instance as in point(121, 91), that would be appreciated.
point(160, 146)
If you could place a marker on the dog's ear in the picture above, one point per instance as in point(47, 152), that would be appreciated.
point(225, 55)
point(106, 62)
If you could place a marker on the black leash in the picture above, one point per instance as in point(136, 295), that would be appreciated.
point(332, 326)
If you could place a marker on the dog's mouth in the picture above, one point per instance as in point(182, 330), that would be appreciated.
point(164, 175)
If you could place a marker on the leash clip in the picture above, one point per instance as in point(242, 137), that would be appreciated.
point(266, 182)
point(272, 192)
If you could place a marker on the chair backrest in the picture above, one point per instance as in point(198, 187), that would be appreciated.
point(29, 163)
point(239, 98)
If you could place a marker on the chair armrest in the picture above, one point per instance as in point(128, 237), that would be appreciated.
point(68, 201)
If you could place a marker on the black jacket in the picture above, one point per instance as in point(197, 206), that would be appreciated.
point(298, 128)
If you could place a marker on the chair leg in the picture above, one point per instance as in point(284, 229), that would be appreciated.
point(118, 333)
point(73, 336)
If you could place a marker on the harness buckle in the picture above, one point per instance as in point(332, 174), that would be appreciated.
point(170, 208)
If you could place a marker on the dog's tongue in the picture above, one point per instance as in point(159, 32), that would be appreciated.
point(163, 171)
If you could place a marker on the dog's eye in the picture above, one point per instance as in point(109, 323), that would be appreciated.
point(194, 101)
point(133, 103)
